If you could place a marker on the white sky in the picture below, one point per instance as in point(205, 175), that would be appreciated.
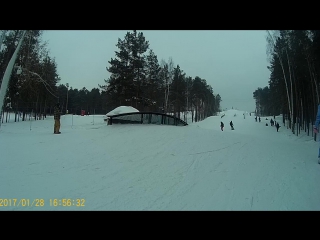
point(154, 167)
point(234, 62)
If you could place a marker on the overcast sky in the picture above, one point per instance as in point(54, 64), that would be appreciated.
point(233, 62)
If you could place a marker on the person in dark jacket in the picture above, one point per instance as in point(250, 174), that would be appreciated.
point(277, 126)
point(56, 116)
point(271, 122)
point(231, 125)
point(221, 126)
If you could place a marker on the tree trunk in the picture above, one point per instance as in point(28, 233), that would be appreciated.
point(291, 88)
point(284, 75)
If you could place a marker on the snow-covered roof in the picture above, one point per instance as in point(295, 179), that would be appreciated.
point(122, 109)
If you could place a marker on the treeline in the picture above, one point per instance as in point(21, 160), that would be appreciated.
point(136, 79)
point(293, 89)
point(32, 86)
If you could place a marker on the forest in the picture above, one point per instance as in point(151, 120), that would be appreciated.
point(139, 79)
point(293, 87)
point(136, 79)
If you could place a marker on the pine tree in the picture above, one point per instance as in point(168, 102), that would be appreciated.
point(126, 70)
point(153, 83)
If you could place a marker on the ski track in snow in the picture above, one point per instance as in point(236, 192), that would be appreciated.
point(151, 167)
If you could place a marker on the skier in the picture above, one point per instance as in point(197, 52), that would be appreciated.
point(259, 119)
point(316, 128)
point(277, 126)
point(231, 125)
point(221, 126)
point(271, 122)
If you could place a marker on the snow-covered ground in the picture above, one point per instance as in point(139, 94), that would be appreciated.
point(94, 166)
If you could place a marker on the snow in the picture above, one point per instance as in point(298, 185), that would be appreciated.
point(122, 109)
point(157, 167)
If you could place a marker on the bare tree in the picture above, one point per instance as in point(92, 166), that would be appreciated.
point(167, 73)
point(279, 54)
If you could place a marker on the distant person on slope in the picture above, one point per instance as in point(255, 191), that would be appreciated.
point(316, 128)
point(56, 116)
point(231, 125)
point(221, 126)
point(277, 126)
point(271, 122)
